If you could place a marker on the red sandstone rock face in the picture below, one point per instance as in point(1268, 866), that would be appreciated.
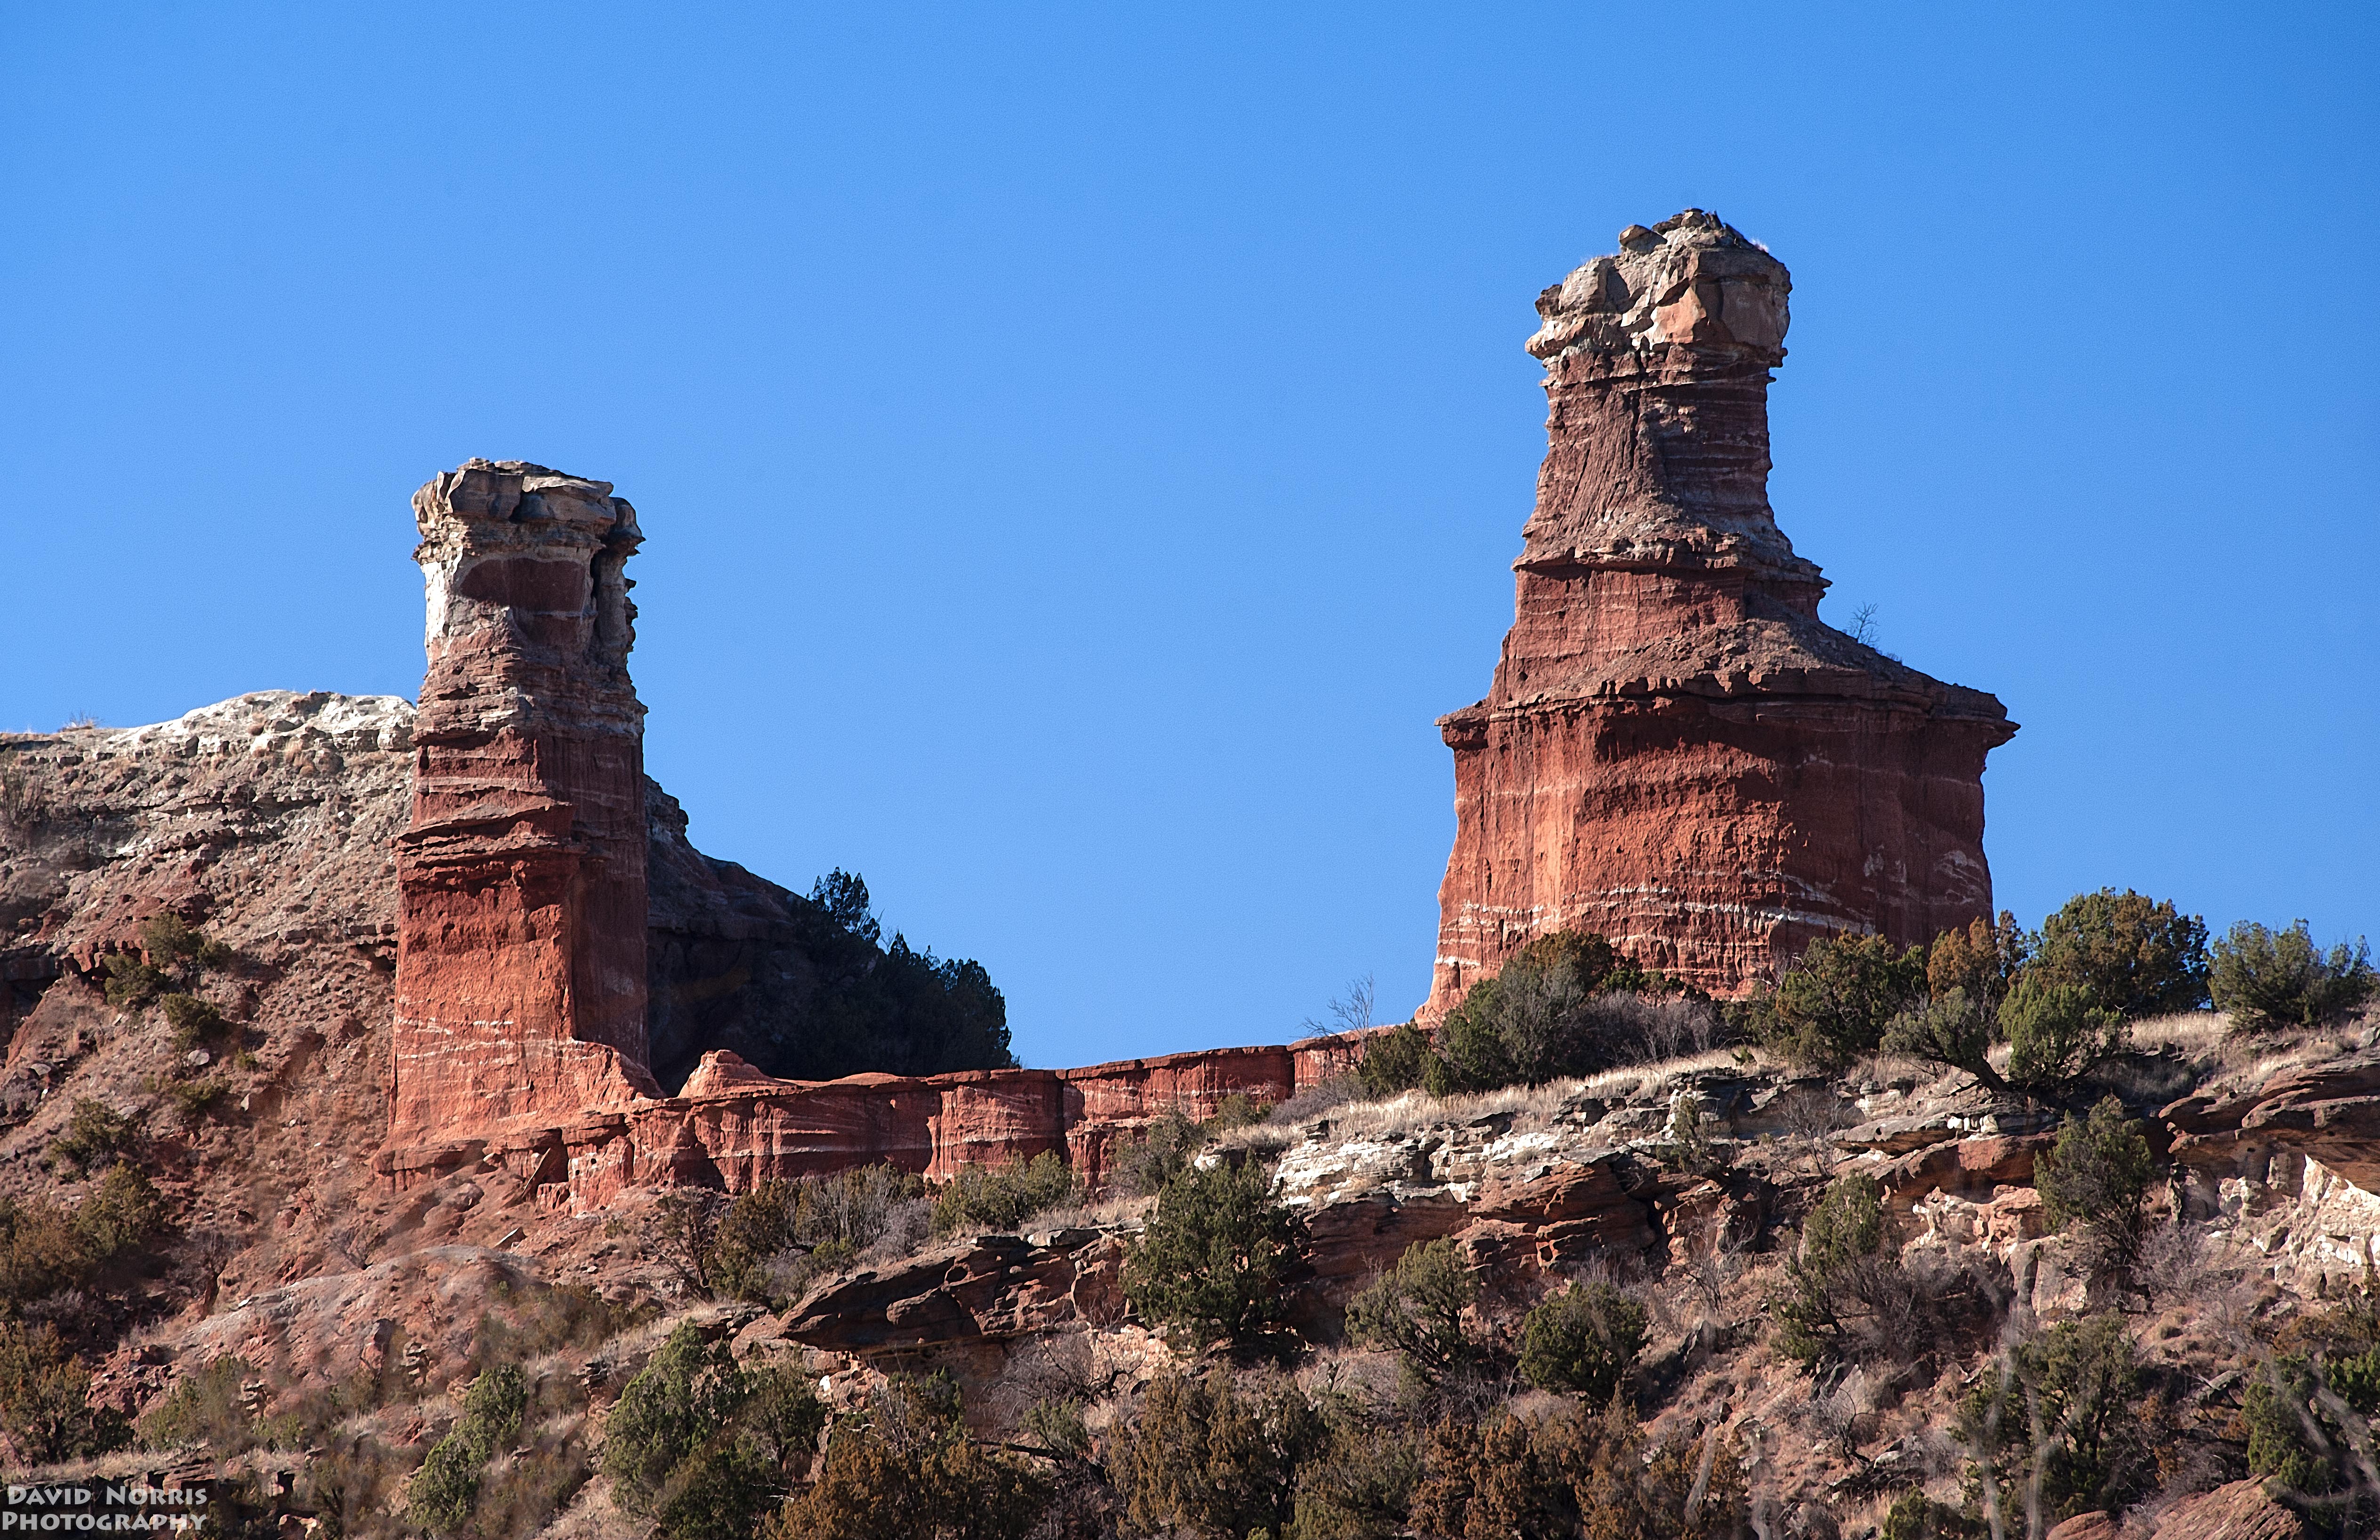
point(987, 1286)
point(734, 1128)
point(2328, 1112)
point(520, 987)
point(1676, 752)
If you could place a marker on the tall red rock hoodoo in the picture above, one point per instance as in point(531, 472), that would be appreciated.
point(1676, 752)
point(521, 977)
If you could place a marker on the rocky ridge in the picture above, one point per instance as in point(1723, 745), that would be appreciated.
point(269, 818)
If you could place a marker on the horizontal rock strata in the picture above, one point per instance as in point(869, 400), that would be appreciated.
point(732, 1128)
point(520, 981)
point(272, 818)
point(1676, 752)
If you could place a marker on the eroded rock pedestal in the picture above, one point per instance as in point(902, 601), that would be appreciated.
point(1676, 752)
point(520, 987)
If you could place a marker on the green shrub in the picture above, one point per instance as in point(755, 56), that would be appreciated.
point(1395, 1061)
point(1578, 1472)
point(45, 1249)
point(1214, 1456)
point(1238, 1110)
point(701, 1447)
point(492, 1409)
point(2055, 1032)
point(1215, 1255)
point(2098, 1174)
point(96, 1136)
point(1560, 1006)
point(440, 1496)
point(43, 1394)
point(445, 1490)
point(180, 944)
point(684, 1393)
point(2290, 1437)
point(2061, 1004)
point(2136, 957)
point(41, 1251)
point(2059, 1418)
point(132, 983)
point(1058, 1425)
point(1951, 1028)
point(1359, 1484)
point(207, 1409)
point(907, 1471)
point(2268, 980)
point(1584, 1340)
point(119, 1216)
point(1693, 1146)
point(1843, 1237)
point(757, 1225)
point(1416, 1311)
point(728, 1483)
point(1915, 1516)
point(1833, 1006)
point(175, 953)
point(1164, 1154)
point(2356, 1378)
point(193, 1101)
point(194, 1020)
point(998, 1200)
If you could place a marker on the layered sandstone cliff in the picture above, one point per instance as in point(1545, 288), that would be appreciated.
point(274, 819)
point(520, 982)
point(521, 1033)
point(1676, 752)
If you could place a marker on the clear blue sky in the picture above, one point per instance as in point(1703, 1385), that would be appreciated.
point(1081, 448)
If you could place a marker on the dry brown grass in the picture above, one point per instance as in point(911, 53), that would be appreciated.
point(2240, 1062)
point(1529, 1106)
point(2193, 1034)
point(1109, 1211)
point(1642, 1081)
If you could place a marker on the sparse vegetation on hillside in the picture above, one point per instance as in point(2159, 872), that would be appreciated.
point(1565, 1005)
point(1690, 1300)
point(1416, 1310)
point(907, 1468)
point(1833, 1005)
point(998, 1200)
point(1215, 1255)
point(1584, 1340)
point(2273, 979)
point(2097, 1177)
point(867, 1004)
point(2131, 954)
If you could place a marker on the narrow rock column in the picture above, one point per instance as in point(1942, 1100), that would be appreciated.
point(1676, 752)
point(520, 979)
